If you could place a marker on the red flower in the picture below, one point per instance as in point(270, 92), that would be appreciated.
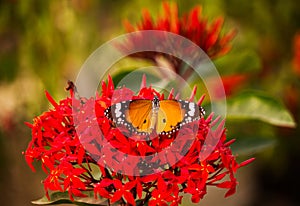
point(123, 190)
point(76, 165)
point(192, 25)
point(174, 52)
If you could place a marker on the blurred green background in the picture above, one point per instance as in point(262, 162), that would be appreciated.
point(44, 43)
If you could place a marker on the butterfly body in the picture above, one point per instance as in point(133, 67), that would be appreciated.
point(144, 116)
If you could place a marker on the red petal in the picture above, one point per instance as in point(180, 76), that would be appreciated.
point(226, 184)
point(139, 189)
point(106, 182)
point(117, 195)
point(129, 198)
point(29, 125)
point(246, 162)
point(51, 100)
point(230, 192)
point(102, 192)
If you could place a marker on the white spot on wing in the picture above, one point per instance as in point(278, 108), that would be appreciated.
point(191, 111)
point(117, 110)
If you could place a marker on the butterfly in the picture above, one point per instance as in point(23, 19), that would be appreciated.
point(143, 116)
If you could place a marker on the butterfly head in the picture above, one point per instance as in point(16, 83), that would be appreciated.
point(155, 102)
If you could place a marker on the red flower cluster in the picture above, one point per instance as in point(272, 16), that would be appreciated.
point(192, 26)
point(70, 161)
point(167, 51)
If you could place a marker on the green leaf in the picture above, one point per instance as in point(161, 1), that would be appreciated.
point(251, 145)
point(63, 198)
point(93, 168)
point(57, 198)
point(258, 105)
point(132, 79)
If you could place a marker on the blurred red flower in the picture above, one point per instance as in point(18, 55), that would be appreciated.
point(192, 26)
point(56, 143)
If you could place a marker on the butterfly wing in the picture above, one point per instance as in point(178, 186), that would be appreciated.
point(139, 115)
point(192, 111)
point(134, 114)
point(175, 113)
point(170, 114)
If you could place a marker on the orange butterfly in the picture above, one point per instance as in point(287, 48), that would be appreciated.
point(143, 116)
